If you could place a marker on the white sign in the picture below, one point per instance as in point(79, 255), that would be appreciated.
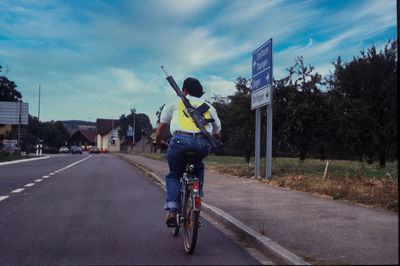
point(261, 97)
point(10, 113)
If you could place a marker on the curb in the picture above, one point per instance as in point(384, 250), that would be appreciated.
point(23, 160)
point(262, 243)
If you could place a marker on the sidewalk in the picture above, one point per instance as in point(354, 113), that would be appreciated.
point(321, 230)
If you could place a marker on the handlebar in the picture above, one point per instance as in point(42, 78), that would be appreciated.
point(160, 143)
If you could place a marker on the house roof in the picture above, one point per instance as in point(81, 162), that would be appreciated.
point(89, 134)
point(105, 125)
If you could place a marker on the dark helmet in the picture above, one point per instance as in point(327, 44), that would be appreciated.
point(193, 87)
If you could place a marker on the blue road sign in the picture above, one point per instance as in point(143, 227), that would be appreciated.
point(262, 66)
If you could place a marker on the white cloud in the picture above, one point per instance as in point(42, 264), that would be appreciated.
point(215, 85)
point(181, 9)
point(127, 81)
point(239, 12)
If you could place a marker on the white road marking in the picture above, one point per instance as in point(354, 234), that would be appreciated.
point(3, 197)
point(18, 190)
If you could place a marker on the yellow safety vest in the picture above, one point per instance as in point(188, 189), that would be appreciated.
point(186, 123)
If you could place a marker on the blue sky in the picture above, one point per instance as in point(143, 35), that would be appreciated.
point(97, 59)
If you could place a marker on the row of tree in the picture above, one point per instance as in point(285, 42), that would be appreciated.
point(350, 114)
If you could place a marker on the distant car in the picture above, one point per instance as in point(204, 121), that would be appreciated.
point(103, 150)
point(94, 149)
point(64, 150)
point(11, 148)
point(76, 149)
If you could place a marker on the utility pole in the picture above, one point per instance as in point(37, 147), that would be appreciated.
point(134, 120)
point(19, 128)
point(39, 105)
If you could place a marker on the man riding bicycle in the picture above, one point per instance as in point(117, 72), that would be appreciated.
point(186, 137)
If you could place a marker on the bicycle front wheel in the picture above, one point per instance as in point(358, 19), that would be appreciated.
point(190, 224)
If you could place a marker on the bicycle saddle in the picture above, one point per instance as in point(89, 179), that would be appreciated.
point(190, 155)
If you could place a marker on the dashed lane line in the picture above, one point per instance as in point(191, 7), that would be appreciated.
point(18, 190)
point(3, 197)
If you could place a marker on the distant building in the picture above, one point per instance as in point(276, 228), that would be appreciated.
point(107, 134)
point(5, 131)
point(83, 138)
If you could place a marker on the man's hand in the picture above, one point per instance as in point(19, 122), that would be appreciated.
point(160, 143)
point(217, 136)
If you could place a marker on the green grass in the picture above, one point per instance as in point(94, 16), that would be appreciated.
point(336, 168)
point(283, 166)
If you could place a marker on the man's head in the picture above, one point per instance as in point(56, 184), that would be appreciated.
point(193, 87)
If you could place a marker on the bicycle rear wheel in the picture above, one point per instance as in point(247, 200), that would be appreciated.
point(190, 224)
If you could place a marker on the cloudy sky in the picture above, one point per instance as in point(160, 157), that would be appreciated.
point(97, 59)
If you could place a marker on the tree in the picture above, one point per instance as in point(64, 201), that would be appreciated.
point(54, 134)
point(237, 120)
point(365, 91)
point(299, 102)
point(8, 90)
point(142, 121)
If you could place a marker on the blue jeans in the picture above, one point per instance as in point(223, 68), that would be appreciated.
point(178, 146)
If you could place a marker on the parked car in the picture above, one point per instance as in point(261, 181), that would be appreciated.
point(103, 150)
point(76, 149)
point(94, 149)
point(64, 150)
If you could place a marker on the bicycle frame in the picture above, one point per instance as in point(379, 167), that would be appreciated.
point(189, 180)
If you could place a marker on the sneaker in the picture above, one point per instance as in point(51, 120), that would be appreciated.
point(170, 220)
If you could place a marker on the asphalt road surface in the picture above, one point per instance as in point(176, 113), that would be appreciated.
point(80, 209)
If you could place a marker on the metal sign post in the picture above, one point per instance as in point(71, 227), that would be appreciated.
point(261, 86)
point(257, 146)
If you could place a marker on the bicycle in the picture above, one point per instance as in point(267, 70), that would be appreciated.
point(188, 214)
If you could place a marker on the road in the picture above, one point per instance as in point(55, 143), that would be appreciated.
point(81, 209)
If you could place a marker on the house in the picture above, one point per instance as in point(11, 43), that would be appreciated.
point(143, 145)
point(83, 138)
point(107, 134)
point(5, 131)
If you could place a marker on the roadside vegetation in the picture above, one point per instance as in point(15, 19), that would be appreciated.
point(6, 156)
point(353, 181)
